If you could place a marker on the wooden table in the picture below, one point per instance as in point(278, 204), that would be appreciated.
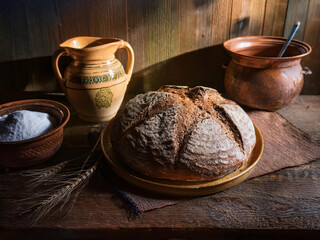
point(285, 203)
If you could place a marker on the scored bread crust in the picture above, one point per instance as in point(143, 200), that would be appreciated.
point(183, 133)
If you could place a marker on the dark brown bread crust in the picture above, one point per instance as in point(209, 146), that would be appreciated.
point(183, 134)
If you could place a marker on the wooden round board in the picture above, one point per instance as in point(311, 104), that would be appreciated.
point(179, 188)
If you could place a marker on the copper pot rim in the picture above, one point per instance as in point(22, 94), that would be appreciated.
point(304, 45)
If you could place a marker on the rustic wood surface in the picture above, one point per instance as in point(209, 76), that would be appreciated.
point(311, 36)
point(247, 18)
point(161, 32)
point(285, 203)
point(276, 14)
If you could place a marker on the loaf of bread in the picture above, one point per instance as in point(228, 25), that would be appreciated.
point(182, 133)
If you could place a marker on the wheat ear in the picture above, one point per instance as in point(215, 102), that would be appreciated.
point(51, 200)
point(59, 183)
point(39, 176)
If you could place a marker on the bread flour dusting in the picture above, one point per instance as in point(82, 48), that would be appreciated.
point(24, 124)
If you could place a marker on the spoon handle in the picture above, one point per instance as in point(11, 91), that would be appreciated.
point(293, 32)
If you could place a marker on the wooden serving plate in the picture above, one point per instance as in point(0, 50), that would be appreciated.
point(178, 188)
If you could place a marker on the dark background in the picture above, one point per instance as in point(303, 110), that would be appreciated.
point(175, 41)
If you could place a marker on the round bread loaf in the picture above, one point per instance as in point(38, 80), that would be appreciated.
point(182, 133)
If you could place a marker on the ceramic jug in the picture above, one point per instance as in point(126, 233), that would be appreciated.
point(95, 82)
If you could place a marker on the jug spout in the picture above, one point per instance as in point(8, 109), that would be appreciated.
point(91, 48)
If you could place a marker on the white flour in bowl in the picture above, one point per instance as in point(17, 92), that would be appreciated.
point(24, 124)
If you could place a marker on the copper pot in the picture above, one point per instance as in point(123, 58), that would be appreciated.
point(257, 78)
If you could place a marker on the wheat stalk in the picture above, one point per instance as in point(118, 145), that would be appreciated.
point(38, 176)
point(62, 182)
point(92, 151)
point(52, 198)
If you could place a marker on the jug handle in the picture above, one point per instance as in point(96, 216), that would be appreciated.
point(55, 59)
point(130, 61)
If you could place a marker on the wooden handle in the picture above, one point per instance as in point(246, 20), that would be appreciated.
point(55, 59)
point(130, 53)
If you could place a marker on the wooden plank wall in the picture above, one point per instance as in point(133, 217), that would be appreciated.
point(175, 41)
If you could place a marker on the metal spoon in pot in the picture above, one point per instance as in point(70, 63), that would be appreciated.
point(293, 32)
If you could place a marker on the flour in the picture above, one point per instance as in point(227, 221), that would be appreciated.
point(23, 124)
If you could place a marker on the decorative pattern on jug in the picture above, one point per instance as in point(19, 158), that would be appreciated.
point(113, 75)
point(93, 73)
point(103, 98)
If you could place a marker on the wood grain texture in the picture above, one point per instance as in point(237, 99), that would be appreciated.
point(159, 32)
point(268, 202)
point(162, 43)
point(162, 30)
point(221, 21)
point(29, 74)
point(137, 22)
point(97, 18)
point(307, 120)
point(42, 37)
point(5, 33)
point(296, 11)
point(282, 203)
point(15, 20)
point(42, 27)
point(31, 27)
point(312, 37)
point(203, 23)
point(275, 16)
point(247, 17)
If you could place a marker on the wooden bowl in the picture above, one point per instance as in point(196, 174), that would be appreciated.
point(39, 149)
